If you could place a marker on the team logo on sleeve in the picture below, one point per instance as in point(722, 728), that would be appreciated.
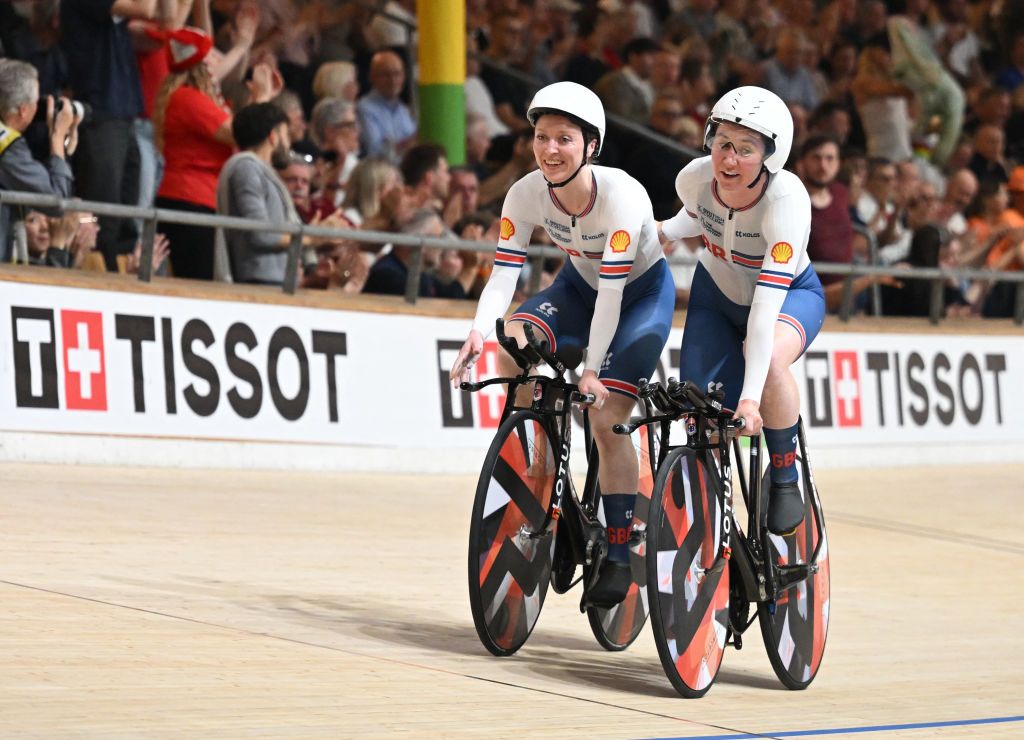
point(507, 229)
point(619, 241)
point(782, 252)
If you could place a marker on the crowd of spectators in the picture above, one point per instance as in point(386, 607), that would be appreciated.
point(909, 118)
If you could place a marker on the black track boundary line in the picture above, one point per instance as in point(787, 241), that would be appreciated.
point(356, 653)
point(934, 533)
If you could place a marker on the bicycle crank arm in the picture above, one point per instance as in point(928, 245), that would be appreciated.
point(788, 575)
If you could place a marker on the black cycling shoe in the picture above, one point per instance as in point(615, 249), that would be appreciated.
point(612, 585)
point(785, 508)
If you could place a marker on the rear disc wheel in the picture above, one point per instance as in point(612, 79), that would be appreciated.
point(616, 628)
point(794, 628)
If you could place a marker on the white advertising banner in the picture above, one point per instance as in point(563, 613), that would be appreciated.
point(130, 365)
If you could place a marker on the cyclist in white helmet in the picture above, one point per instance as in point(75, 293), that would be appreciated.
point(614, 296)
point(755, 303)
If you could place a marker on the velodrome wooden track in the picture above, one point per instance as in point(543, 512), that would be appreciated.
point(163, 603)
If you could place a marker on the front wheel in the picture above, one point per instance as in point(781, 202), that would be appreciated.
point(687, 574)
point(795, 626)
point(511, 541)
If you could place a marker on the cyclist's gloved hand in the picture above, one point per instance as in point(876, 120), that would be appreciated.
point(750, 411)
point(589, 383)
point(468, 355)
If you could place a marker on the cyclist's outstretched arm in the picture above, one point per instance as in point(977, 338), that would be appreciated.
point(509, 257)
point(786, 227)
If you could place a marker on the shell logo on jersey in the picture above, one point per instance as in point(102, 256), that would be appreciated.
point(507, 229)
point(782, 252)
point(619, 241)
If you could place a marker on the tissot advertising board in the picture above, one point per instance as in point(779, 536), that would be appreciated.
point(127, 364)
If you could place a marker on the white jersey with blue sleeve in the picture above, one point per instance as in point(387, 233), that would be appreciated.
point(753, 254)
point(611, 243)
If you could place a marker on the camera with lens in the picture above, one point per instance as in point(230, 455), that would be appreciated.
point(82, 111)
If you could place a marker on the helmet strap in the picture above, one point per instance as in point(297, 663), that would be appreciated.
point(570, 178)
point(758, 178)
point(567, 180)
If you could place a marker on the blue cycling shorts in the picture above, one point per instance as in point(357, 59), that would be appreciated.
point(716, 328)
point(563, 312)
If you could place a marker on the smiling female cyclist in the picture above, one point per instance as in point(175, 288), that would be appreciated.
point(614, 295)
point(755, 303)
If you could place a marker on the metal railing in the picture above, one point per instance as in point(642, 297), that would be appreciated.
point(538, 252)
point(150, 217)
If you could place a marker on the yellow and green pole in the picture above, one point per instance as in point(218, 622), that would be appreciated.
point(442, 62)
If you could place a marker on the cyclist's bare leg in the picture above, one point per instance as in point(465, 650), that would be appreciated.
point(619, 469)
point(780, 401)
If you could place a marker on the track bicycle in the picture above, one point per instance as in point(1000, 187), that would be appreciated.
point(704, 571)
point(530, 526)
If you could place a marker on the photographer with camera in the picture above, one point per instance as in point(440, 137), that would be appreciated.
point(19, 102)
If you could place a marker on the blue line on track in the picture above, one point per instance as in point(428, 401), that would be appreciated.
point(853, 730)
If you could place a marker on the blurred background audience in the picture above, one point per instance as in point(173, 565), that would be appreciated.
point(909, 118)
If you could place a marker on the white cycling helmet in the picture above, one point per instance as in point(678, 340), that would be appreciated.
point(759, 110)
point(573, 100)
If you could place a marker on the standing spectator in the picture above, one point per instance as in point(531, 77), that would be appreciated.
point(388, 128)
point(627, 91)
point(192, 130)
point(916, 64)
point(19, 100)
point(425, 173)
point(786, 73)
point(883, 104)
point(153, 60)
point(250, 188)
point(103, 73)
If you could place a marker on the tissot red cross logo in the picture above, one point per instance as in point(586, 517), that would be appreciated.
point(490, 400)
point(85, 371)
point(847, 388)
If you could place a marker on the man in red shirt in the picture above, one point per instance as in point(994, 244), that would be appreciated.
point(832, 235)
